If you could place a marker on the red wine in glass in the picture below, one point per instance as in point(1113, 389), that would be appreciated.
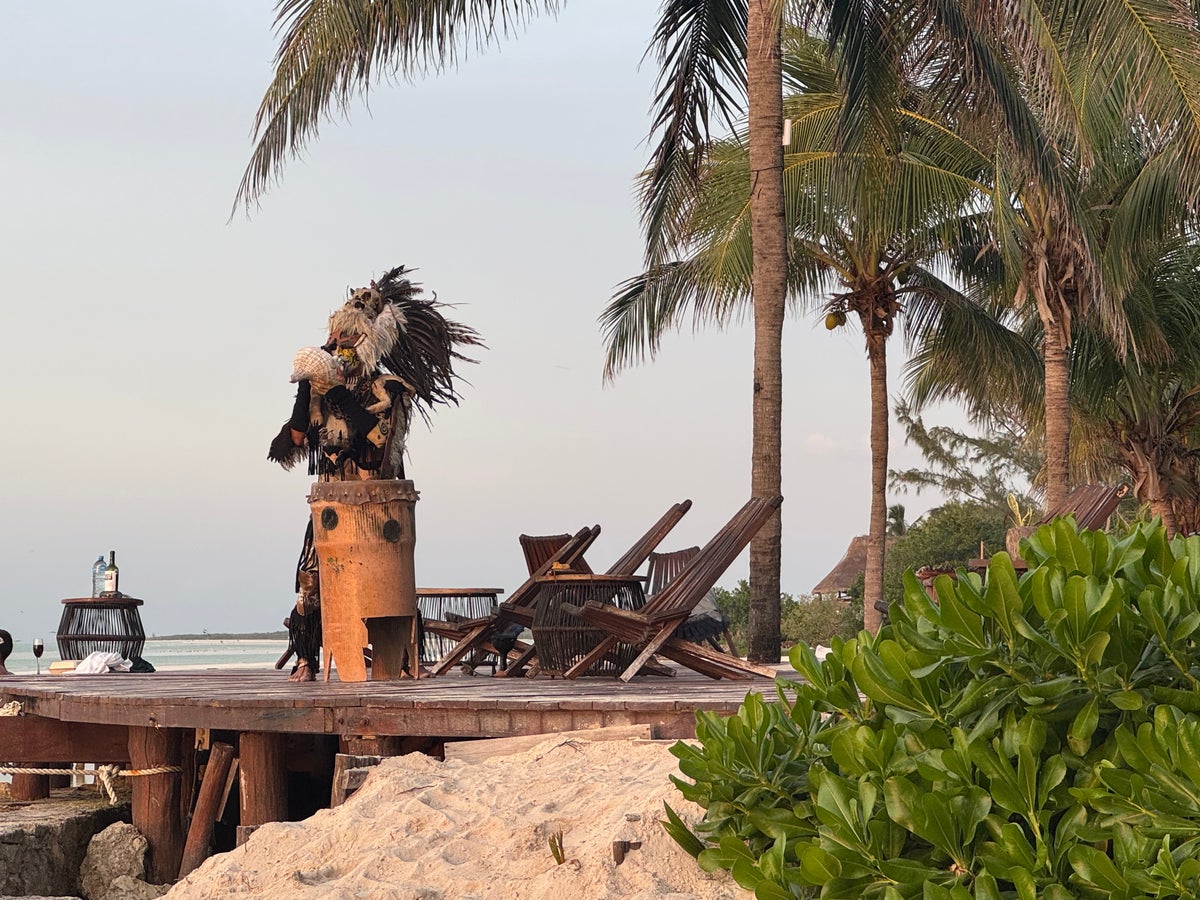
point(38, 649)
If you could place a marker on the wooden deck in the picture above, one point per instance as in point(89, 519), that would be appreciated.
point(287, 739)
point(452, 705)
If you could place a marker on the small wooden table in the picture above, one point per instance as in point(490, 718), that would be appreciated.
point(109, 624)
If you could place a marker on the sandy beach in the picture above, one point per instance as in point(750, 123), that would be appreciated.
point(425, 829)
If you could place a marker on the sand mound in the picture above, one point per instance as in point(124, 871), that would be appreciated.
point(430, 830)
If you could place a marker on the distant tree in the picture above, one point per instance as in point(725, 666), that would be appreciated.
point(946, 537)
point(896, 525)
point(814, 620)
point(983, 469)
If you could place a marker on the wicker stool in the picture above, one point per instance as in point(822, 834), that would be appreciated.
point(452, 605)
point(110, 624)
point(562, 638)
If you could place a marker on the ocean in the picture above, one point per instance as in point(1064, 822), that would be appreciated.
point(175, 655)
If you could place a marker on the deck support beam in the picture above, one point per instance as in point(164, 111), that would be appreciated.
point(263, 775)
point(30, 787)
point(156, 799)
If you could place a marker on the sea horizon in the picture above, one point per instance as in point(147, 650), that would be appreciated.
point(178, 653)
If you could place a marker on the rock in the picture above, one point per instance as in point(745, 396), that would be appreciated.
point(42, 843)
point(126, 888)
point(115, 866)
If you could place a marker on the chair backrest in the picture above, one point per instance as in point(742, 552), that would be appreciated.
point(700, 574)
point(643, 548)
point(1090, 504)
point(569, 554)
point(665, 567)
point(540, 549)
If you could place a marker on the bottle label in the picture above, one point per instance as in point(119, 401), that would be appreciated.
point(110, 581)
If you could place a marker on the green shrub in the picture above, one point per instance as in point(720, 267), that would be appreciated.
point(1020, 738)
point(814, 620)
point(818, 620)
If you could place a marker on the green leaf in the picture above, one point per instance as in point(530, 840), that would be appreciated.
point(1126, 700)
point(1095, 868)
point(769, 890)
point(986, 887)
point(908, 871)
point(818, 866)
point(746, 874)
point(682, 835)
point(1079, 734)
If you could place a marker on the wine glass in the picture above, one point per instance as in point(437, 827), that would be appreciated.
point(38, 649)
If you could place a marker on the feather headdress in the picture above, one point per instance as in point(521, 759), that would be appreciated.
point(391, 327)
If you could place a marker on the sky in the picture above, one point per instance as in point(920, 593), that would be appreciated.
point(153, 333)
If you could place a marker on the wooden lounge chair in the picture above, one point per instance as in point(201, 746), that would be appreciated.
point(519, 607)
point(473, 633)
point(706, 621)
point(540, 548)
point(651, 629)
point(623, 568)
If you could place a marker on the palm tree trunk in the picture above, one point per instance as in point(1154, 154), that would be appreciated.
point(1058, 413)
point(877, 533)
point(764, 79)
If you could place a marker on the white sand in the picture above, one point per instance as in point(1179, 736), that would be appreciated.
point(430, 830)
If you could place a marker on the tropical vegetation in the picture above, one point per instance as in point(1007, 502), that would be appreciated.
point(1013, 737)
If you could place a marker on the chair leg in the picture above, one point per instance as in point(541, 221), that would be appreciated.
point(459, 650)
point(513, 668)
point(648, 651)
point(729, 642)
point(591, 658)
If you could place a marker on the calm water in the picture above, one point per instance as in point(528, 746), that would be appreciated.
point(167, 656)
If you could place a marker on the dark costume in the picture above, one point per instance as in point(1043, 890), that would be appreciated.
point(388, 353)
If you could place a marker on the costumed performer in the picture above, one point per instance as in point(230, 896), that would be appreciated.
point(387, 353)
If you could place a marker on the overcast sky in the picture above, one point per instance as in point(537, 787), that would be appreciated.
point(151, 337)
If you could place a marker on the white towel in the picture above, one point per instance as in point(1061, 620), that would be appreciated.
point(101, 663)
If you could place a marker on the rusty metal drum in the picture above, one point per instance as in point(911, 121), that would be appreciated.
point(364, 533)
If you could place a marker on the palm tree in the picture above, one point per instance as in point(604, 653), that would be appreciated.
point(1128, 203)
point(711, 52)
point(860, 226)
point(1123, 79)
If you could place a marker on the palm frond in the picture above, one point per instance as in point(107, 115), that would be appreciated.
point(700, 46)
point(332, 51)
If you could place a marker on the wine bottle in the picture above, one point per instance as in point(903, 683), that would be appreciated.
point(111, 575)
point(98, 576)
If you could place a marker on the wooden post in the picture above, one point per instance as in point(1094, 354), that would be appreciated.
point(156, 800)
point(30, 787)
point(212, 788)
point(263, 778)
point(372, 744)
point(60, 781)
point(349, 772)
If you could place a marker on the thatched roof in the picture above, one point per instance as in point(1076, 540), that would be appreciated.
point(846, 572)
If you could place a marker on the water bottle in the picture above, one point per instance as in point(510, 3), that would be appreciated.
point(98, 576)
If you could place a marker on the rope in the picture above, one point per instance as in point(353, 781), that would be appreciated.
point(105, 774)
